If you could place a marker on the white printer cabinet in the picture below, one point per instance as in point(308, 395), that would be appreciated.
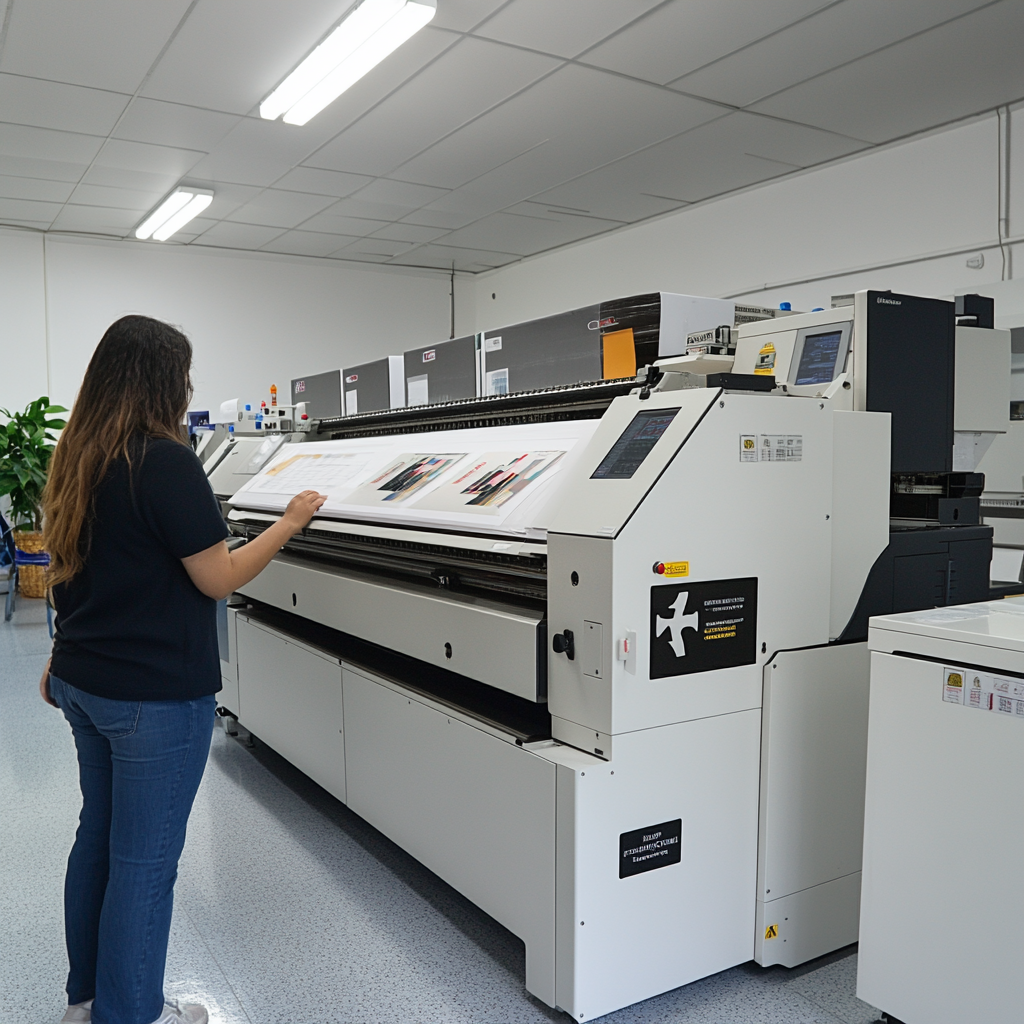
point(942, 908)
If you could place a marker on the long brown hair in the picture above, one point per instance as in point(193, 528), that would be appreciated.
point(137, 386)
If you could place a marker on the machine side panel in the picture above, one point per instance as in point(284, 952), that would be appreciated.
point(940, 926)
point(651, 931)
point(228, 696)
point(813, 751)
point(860, 507)
point(487, 642)
point(292, 701)
point(478, 811)
point(736, 524)
point(572, 694)
point(982, 386)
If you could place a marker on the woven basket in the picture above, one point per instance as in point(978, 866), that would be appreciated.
point(31, 578)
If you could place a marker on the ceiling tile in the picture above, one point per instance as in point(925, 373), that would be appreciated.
point(729, 153)
point(49, 170)
point(830, 37)
point(42, 189)
point(119, 177)
point(104, 44)
point(172, 124)
point(387, 247)
point(604, 126)
point(442, 257)
point(353, 206)
point(237, 236)
point(354, 257)
point(399, 193)
point(98, 219)
point(468, 79)
point(462, 15)
point(577, 116)
point(193, 229)
point(43, 104)
point(308, 243)
point(115, 198)
point(965, 67)
point(142, 156)
point(525, 235)
point(687, 34)
point(335, 223)
point(410, 233)
point(255, 152)
point(28, 210)
point(565, 29)
point(44, 144)
point(324, 183)
point(229, 57)
point(447, 219)
point(277, 208)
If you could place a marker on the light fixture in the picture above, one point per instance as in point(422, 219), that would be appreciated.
point(174, 213)
point(363, 39)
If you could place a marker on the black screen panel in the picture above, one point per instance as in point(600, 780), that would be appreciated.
point(910, 366)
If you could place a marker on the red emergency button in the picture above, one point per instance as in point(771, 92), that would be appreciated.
point(304, 416)
point(659, 568)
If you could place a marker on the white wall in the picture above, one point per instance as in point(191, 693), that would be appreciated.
point(881, 220)
point(253, 320)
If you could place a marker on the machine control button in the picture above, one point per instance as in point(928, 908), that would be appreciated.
point(564, 643)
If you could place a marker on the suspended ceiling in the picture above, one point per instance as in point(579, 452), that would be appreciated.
point(503, 129)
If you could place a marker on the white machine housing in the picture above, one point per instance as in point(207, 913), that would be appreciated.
point(717, 765)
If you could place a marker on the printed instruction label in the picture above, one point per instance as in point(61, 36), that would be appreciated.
point(771, 447)
point(984, 691)
point(492, 344)
point(645, 849)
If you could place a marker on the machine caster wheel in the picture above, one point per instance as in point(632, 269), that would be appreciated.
point(228, 720)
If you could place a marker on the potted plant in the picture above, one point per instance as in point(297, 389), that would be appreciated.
point(26, 445)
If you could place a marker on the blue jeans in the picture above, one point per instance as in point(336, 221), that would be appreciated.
point(140, 765)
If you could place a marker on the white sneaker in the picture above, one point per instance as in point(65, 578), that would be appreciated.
point(191, 1013)
point(78, 1014)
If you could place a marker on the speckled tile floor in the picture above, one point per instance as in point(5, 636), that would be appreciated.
point(292, 910)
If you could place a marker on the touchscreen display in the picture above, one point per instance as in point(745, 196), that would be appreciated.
point(634, 444)
point(818, 358)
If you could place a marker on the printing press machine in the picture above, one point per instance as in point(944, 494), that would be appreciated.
point(595, 655)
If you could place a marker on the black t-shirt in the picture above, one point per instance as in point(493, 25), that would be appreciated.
point(132, 625)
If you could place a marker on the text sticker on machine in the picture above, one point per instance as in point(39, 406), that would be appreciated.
point(771, 447)
point(983, 690)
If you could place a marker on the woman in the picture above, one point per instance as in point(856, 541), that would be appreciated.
point(139, 560)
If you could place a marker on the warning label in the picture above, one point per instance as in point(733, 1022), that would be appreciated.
point(771, 447)
point(765, 365)
point(984, 691)
point(771, 932)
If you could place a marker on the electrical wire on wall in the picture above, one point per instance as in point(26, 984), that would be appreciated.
point(452, 293)
point(1003, 222)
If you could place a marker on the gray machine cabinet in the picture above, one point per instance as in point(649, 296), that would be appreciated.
point(289, 695)
point(554, 350)
point(442, 372)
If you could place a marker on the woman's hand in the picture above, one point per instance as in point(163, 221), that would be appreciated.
point(301, 509)
point(44, 685)
point(217, 573)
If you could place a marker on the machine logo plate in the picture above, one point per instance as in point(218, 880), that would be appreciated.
point(697, 627)
point(645, 849)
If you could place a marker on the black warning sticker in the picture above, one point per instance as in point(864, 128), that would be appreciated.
point(645, 849)
point(697, 627)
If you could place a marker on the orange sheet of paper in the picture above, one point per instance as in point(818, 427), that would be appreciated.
point(619, 354)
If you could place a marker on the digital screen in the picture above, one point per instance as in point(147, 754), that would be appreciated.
point(818, 358)
point(634, 444)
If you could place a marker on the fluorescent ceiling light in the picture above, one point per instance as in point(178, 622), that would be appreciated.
point(174, 213)
point(363, 39)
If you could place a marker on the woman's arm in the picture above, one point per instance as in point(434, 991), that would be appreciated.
point(44, 685)
point(218, 572)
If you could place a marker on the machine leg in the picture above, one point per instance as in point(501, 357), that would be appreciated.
point(228, 720)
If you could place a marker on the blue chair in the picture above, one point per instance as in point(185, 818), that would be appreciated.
point(11, 559)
